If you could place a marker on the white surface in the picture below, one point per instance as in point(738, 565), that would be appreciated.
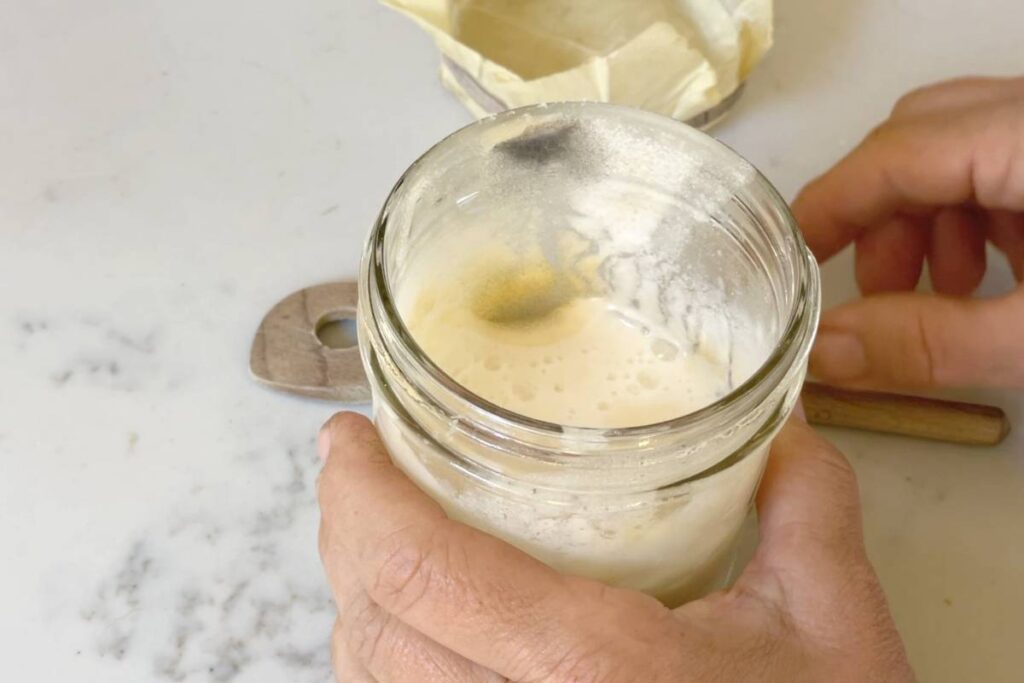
point(169, 170)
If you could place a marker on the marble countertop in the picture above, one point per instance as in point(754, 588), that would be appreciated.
point(169, 170)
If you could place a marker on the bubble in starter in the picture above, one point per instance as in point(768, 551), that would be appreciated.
point(664, 350)
point(647, 380)
point(524, 392)
point(621, 369)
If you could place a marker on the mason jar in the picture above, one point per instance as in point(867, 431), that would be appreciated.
point(663, 220)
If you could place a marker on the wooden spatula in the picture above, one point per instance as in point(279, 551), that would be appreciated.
point(922, 418)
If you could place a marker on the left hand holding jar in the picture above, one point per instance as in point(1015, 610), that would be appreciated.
point(425, 598)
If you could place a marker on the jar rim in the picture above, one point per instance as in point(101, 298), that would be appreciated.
point(791, 347)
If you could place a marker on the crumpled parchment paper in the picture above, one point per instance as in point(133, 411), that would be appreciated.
point(680, 58)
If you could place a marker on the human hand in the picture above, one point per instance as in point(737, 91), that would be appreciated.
point(423, 598)
point(942, 175)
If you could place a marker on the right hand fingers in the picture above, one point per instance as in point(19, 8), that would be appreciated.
point(890, 258)
point(933, 155)
point(921, 341)
point(955, 95)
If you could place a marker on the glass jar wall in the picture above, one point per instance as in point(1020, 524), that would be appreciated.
point(582, 325)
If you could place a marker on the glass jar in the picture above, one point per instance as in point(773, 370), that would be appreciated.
point(667, 220)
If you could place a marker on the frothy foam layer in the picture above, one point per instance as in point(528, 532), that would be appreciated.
point(587, 363)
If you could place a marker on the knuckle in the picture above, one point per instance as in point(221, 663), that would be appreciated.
point(949, 92)
point(910, 100)
point(365, 629)
point(837, 464)
point(888, 138)
point(597, 665)
point(920, 98)
point(882, 133)
point(836, 475)
point(827, 460)
point(575, 665)
point(589, 659)
point(876, 135)
point(999, 168)
point(912, 357)
point(406, 571)
point(892, 139)
point(842, 479)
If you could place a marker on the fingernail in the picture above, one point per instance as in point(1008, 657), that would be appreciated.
point(838, 356)
point(323, 443)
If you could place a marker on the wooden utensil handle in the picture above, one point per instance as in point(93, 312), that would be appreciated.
point(923, 418)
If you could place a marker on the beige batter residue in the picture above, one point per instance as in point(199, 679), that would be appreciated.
point(539, 343)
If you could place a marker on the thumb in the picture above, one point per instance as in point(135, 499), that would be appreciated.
point(809, 498)
point(812, 539)
point(918, 340)
point(811, 563)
